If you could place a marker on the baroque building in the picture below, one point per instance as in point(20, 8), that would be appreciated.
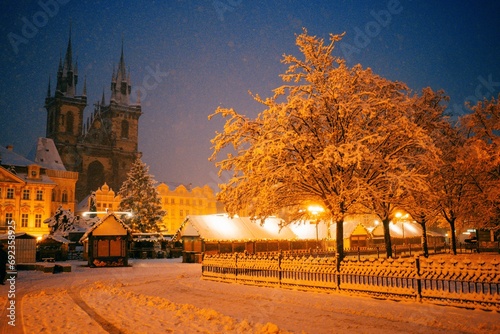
point(178, 201)
point(32, 190)
point(103, 147)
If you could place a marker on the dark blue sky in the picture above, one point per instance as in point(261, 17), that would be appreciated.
point(206, 53)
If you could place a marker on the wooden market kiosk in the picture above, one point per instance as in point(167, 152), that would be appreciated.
point(107, 242)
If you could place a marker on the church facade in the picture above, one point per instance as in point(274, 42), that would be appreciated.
point(103, 147)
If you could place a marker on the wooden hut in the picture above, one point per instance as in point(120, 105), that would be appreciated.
point(107, 242)
point(25, 246)
point(53, 248)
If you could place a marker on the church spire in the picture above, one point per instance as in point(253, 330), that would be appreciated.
point(103, 101)
point(48, 89)
point(67, 74)
point(120, 83)
point(85, 86)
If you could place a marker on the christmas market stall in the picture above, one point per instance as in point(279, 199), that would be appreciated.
point(219, 233)
point(107, 242)
point(53, 248)
point(25, 246)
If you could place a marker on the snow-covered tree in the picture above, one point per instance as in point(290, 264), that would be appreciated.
point(482, 129)
point(422, 202)
point(139, 196)
point(340, 137)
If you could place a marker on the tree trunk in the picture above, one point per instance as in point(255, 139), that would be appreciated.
point(453, 237)
point(340, 239)
point(387, 237)
point(425, 247)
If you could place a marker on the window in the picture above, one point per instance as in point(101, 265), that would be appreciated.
point(8, 217)
point(38, 220)
point(124, 132)
point(106, 248)
point(182, 213)
point(182, 201)
point(24, 220)
point(0, 192)
point(26, 194)
point(39, 195)
point(64, 197)
point(10, 193)
point(69, 122)
point(53, 195)
point(172, 201)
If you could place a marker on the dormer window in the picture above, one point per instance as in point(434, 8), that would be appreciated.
point(34, 171)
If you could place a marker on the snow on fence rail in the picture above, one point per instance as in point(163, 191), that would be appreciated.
point(466, 283)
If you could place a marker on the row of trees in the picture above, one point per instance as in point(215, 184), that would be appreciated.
point(354, 142)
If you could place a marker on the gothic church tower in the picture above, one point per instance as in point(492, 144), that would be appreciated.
point(65, 111)
point(103, 148)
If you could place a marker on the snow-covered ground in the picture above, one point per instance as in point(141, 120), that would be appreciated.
point(165, 295)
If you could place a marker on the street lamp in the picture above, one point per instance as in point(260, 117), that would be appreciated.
point(401, 218)
point(315, 210)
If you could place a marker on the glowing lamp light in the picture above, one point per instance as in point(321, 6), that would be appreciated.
point(88, 213)
point(315, 209)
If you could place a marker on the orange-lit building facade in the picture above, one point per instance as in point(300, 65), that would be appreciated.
point(30, 193)
point(177, 201)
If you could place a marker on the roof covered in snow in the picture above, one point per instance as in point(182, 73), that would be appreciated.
point(10, 158)
point(111, 217)
point(46, 155)
point(223, 227)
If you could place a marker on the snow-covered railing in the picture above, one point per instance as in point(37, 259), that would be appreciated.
point(459, 283)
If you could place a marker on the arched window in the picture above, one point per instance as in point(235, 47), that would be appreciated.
point(69, 122)
point(64, 196)
point(95, 176)
point(124, 129)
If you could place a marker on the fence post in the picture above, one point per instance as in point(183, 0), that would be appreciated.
point(418, 279)
point(337, 271)
point(280, 256)
point(236, 267)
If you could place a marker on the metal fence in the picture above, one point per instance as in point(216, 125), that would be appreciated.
point(466, 283)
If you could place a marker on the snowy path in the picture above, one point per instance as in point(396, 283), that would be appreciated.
point(158, 296)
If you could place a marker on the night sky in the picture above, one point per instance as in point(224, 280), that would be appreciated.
point(188, 57)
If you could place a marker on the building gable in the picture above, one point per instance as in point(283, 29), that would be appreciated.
point(9, 177)
point(110, 226)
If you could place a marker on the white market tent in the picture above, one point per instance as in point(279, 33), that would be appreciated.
point(221, 227)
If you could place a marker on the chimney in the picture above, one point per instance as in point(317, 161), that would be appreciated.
point(10, 147)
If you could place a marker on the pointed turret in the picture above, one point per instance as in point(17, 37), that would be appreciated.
point(120, 83)
point(103, 101)
point(84, 86)
point(48, 89)
point(67, 73)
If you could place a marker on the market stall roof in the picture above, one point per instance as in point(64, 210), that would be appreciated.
point(18, 235)
point(111, 225)
point(223, 227)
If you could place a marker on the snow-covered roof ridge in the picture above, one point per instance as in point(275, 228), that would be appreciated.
point(46, 155)
point(10, 158)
